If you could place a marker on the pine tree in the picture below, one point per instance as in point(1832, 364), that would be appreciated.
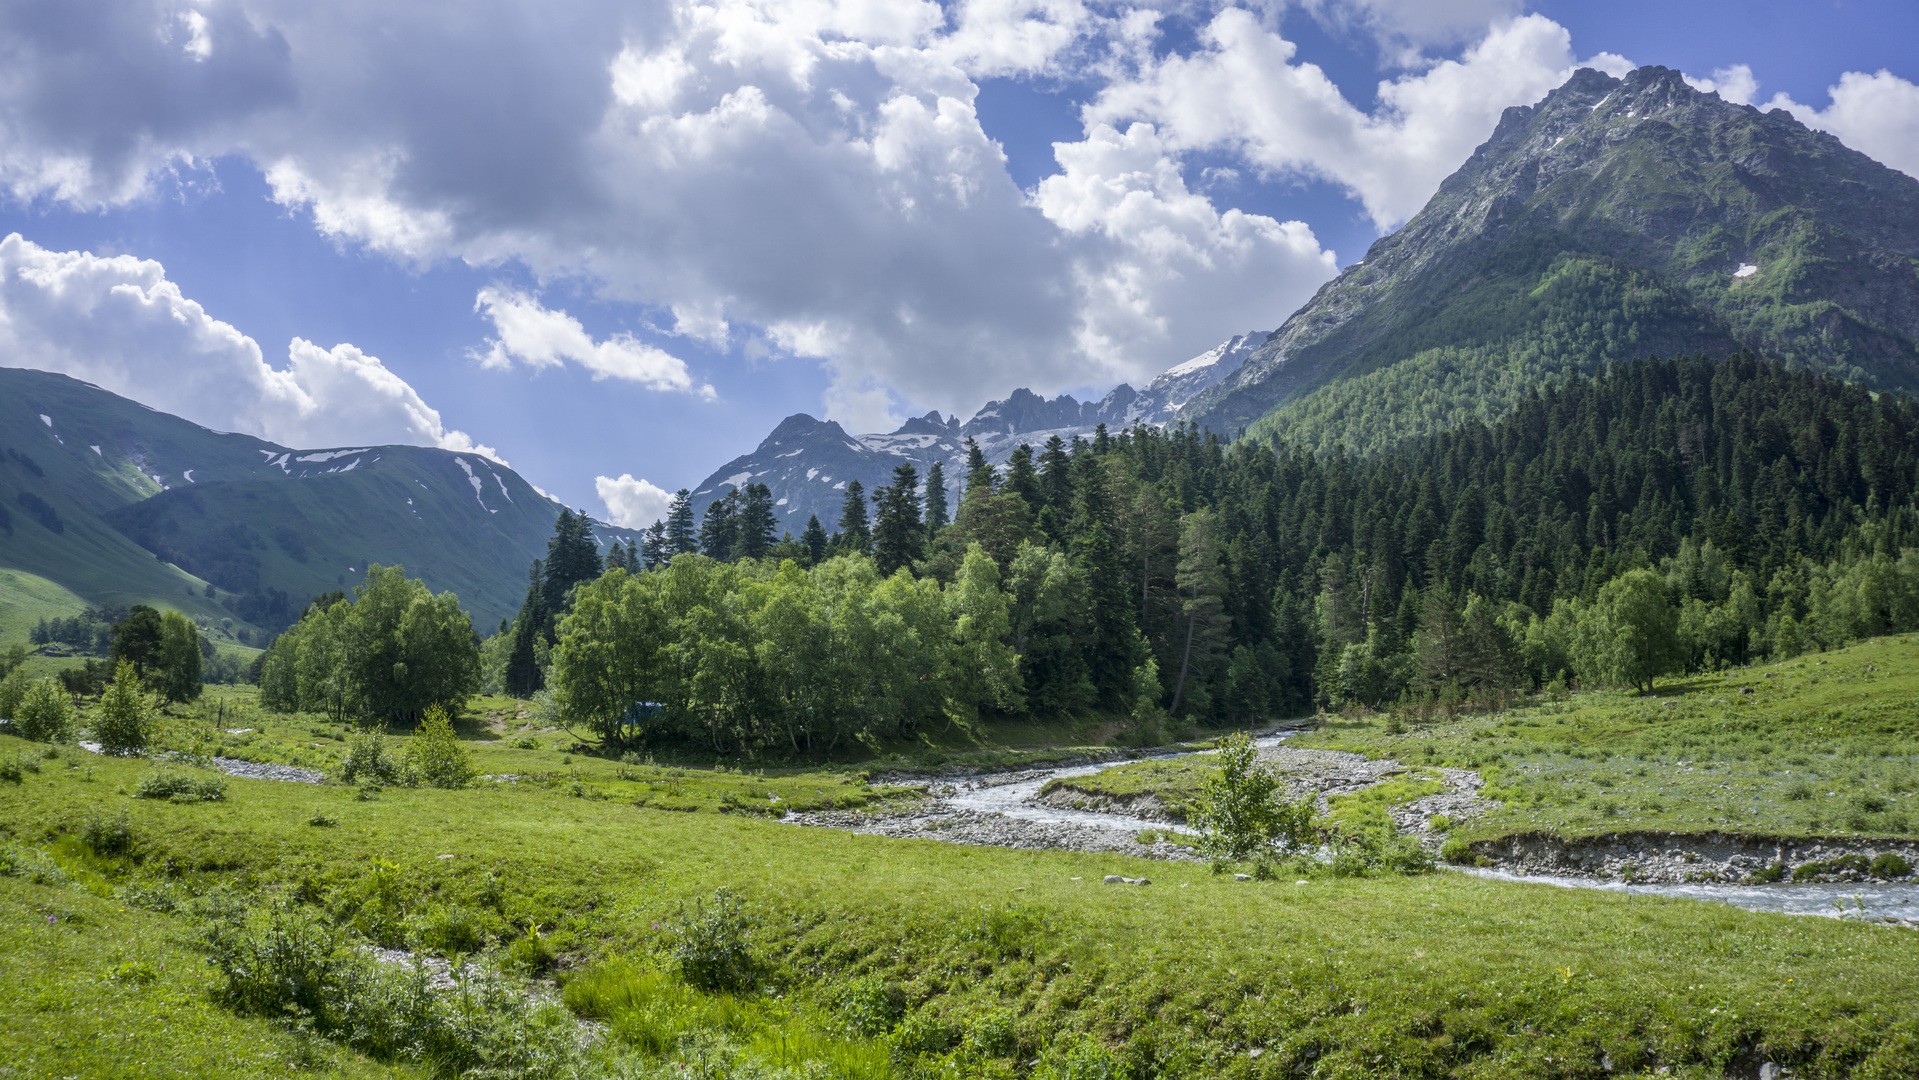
point(937, 516)
point(719, 527)
point(657, 550)
point(855, 534)
point(523, 676)
point(814, 541)
point(1023, 480)
point(572, 556)
point(898, 536)
point(979, 475)
point(755, 527)
point(681, 535)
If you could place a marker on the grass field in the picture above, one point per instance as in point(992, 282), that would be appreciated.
point(1825, 744)
point(875, 957)
point(26, 598)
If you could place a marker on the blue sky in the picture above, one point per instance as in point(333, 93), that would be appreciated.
point(615, 248)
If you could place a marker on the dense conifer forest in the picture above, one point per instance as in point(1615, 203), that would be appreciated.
point(1657, 517)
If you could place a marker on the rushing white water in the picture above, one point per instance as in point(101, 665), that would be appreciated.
point(1015, 795)
point(1870, 900)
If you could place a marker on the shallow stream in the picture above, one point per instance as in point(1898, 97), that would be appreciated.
point(1015, 795)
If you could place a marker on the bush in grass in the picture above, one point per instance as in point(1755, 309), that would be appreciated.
point(45, 713)
point(1082, 1058)
point(176, 786)
point(286, 963)
point(105, 835)
point(449, 930)
point(869, 1006)
point(121, 722)
point(369, 761)
point(710, 945)
point(436, 755)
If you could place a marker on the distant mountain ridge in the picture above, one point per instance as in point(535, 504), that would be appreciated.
point(1615, 219)
point(150, 507)
point(807, 462)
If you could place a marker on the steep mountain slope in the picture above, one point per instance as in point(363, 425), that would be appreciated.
point(1613, 220)
point(807, 463)
point(123, 504)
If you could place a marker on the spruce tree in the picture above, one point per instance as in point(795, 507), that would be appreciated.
point(1023, 480)
point(523, 676)
point(572, 556)
point(937, 514)
point(719, 529)
point(681, 534)
point(898, 536)
point(657, 549)
point(814, 541)
point(855, 534)
point(754, 530)
point(979, 475)
point(1056, 489)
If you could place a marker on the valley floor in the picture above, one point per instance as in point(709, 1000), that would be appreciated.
point(872, 956)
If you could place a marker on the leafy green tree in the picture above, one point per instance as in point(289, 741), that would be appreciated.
point(387, 655)
point(436, 755)
point(986, 669)
point(1631, 633)
point(1051, 629)
point(45, 713)
point(176, 671)
point(137, 638)
point(1242, 812)
point(124, 714)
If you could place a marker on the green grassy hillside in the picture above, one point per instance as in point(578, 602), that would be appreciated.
point(120, 504)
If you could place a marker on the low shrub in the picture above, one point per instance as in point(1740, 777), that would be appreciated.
point(436, 756)
point(369, 761)
point(109, 836)
point(710, 945)
point(1890, 865)
point(284, 962)
point(175, 786)
point(870, 1006)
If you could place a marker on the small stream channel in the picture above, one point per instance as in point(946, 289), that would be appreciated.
point(1015, 796)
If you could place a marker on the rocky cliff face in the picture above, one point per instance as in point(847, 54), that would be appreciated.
point(1615, 219)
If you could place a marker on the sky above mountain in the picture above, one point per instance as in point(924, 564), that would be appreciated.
point(613, 243)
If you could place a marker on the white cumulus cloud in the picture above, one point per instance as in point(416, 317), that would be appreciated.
point(527, 331)
point(631, 503)
point(119, 323)
point(1877, 115)
point(1246, 92)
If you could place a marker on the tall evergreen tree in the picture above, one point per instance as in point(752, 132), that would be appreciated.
point(855, 535)
point(937, 514)
point(1056, 489)
point(898, 536)
point(755, 527)
point(682, 536)
point(1023, 480)
point(523, 676)
point(572, 556)
point(814, 541)
point(720, 528)
point(979, 475)
point(656, 549)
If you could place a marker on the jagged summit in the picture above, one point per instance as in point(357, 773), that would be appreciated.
point(1614, 219)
